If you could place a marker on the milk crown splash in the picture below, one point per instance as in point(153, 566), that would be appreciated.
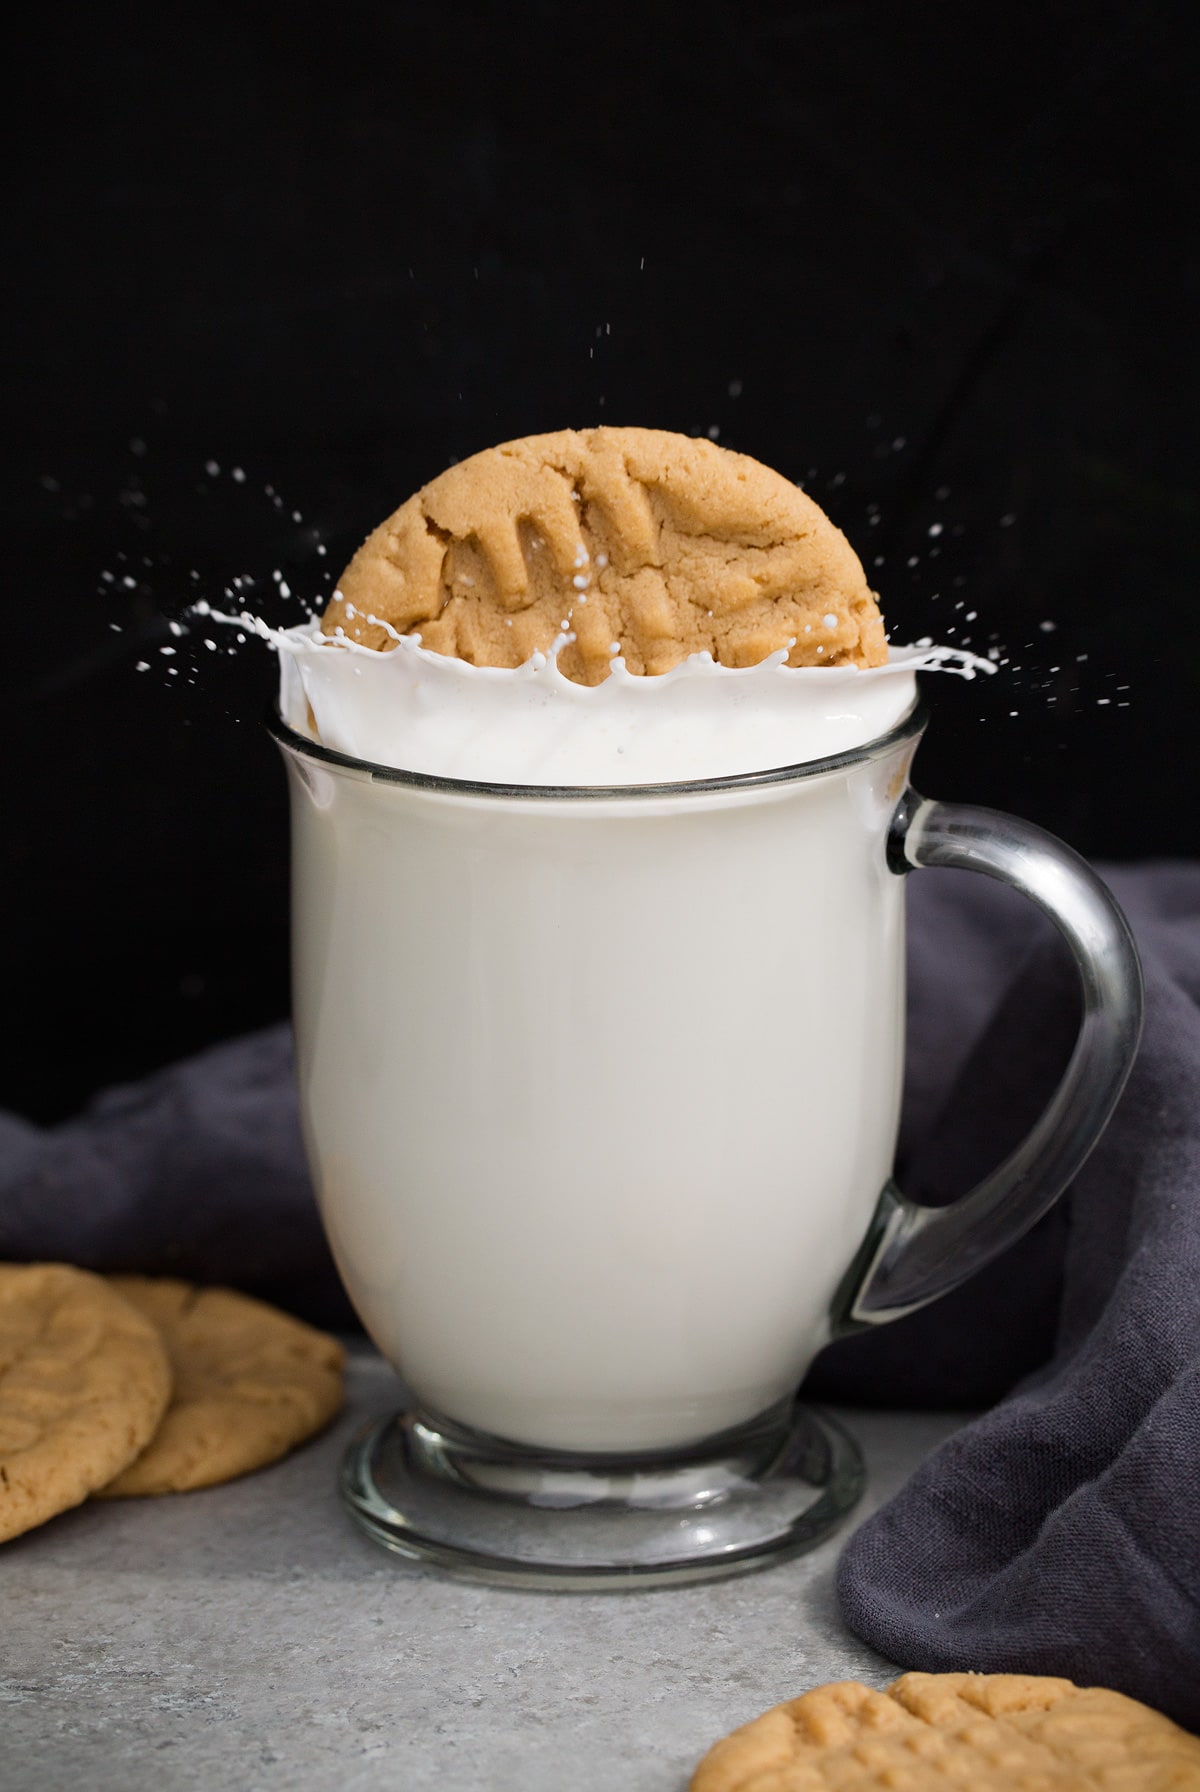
point(419, 711)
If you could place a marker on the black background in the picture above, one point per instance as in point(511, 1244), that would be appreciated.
point(934, 261)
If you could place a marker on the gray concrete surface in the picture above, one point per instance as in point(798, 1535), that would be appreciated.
point(250, 1638)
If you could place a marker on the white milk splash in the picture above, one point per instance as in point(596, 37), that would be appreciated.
point(420, 711)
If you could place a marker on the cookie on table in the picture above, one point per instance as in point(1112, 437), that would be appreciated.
point(84, 1383)
point(929, 1732)
point(657, 544)
point(250, 1384)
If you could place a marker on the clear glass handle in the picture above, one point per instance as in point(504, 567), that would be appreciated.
point(913, 1254)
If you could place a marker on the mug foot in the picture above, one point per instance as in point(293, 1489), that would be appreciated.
point(488, 1510)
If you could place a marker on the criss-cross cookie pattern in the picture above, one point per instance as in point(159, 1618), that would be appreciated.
point(629, 541)
point(933, 1732)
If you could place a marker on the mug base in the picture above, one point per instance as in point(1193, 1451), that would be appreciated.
point(488, 1510)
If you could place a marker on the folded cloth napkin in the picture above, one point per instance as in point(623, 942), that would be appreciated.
point(1060, 1533)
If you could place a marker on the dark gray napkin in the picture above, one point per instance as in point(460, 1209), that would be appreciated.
point(197, 1172)
point(1058, 1534)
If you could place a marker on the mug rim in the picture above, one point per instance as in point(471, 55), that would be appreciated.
point(909, 727)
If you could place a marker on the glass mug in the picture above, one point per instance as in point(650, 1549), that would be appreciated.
point(600, 1091)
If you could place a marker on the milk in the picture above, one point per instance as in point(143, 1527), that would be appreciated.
point(599, 1067)
point(599, 1094)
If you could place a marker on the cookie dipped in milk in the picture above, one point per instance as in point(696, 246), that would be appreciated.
point(610, 606)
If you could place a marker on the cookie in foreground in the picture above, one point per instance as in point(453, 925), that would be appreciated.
point(84, 1383)
point(250, 1384)
point(1021, 1732)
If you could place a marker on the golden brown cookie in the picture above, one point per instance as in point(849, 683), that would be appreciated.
point(928, 1732)
point(658, 544)
point(250, 1384)
point(84, 1381)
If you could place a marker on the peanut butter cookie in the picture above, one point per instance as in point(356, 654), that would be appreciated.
point(635, 541)
point(931, 1732)
point(84, 1381)
point(250, 1384)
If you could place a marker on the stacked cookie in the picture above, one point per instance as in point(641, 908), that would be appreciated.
point(127, 1385)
